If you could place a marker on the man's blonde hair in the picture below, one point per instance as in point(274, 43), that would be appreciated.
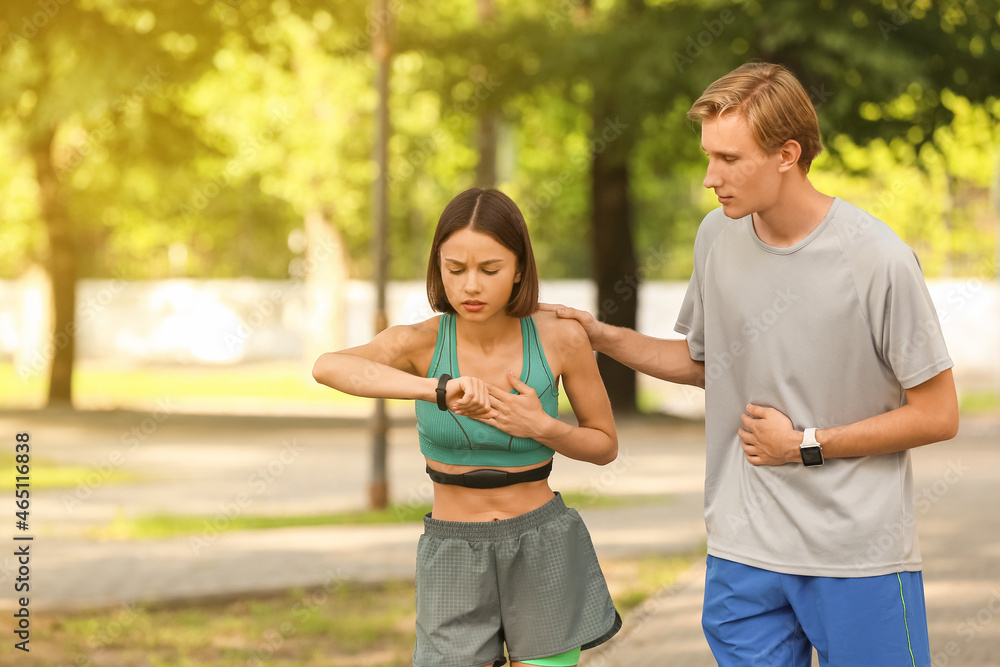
point(773, 103)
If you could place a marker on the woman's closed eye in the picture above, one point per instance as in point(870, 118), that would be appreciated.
point(456, 272)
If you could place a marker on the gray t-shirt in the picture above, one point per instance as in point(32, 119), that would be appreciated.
point(829, 331)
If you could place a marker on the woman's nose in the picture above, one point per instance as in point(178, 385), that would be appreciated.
point(472, 282)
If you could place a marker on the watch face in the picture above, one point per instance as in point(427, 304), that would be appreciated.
point(811, 456)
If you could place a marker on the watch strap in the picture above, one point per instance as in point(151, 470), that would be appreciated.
point(442, 391)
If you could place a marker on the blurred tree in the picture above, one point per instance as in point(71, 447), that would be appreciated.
point(208, 139)
point(189, 143)
point(80, 81)
point(378, 486)
point(645, 62)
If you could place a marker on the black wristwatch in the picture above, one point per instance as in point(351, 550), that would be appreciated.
point(442, 391)
point(812, 451)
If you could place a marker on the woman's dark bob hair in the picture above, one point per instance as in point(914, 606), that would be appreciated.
point(491, 212)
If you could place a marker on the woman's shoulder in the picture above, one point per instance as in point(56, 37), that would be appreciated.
point(428, 326)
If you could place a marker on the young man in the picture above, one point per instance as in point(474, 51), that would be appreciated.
point(809, 324)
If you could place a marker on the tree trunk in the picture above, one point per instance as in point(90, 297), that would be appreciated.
point(62, 268)
point(614, 264)
point(378, 487)
point(486, 169)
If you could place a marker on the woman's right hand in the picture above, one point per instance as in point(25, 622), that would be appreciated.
point(470, 397)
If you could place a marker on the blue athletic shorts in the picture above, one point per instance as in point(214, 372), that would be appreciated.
point(762, 618)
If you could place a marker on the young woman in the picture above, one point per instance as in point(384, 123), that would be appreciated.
point(502, 560)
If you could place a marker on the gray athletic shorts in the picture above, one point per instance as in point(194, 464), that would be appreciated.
point(532, 581)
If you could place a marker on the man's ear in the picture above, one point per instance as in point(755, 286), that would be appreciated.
point(790, 152)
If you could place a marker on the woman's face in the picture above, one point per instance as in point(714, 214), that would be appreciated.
point(478, 273)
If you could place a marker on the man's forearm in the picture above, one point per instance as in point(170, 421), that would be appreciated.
point(657, 357)
point(930, 415)
point(893, 431)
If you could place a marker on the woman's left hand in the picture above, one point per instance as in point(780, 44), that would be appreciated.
point(520, 415)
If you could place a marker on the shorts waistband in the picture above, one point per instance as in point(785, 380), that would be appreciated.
point(495, 530)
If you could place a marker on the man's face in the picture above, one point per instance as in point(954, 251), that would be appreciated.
point(744, 177)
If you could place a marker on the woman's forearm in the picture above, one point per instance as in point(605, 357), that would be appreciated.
point(363, 377)
point(578, 442)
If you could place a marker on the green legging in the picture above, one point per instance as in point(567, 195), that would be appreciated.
point(567, 659)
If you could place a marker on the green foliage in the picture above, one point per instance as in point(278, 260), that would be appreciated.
point(101, 116)
point(194, 141)
point(865, 65)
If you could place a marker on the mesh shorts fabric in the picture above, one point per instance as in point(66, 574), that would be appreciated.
point(532, 581)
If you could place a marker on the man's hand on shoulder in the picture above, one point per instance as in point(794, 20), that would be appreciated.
point(593, 328)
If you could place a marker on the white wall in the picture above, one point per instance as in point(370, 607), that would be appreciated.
point(243, 320)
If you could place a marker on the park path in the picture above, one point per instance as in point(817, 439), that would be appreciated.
point(221, 467)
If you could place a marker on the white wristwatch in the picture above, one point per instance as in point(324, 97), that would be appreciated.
point(811, 450)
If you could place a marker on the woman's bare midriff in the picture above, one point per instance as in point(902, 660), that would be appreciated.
point(459, 503)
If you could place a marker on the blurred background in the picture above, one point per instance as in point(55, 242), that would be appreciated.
point(192, 192)
point(199, 197)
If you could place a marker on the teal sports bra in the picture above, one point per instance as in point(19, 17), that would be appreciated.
point(458, 440)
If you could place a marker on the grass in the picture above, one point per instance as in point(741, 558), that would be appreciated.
point(586, 501)
point(267, 387)
point(102, 386)
point(978, 402)
point(99, 384)
point(45, 474)
point(261, 382)
point(173, 525)
point(342, 624)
